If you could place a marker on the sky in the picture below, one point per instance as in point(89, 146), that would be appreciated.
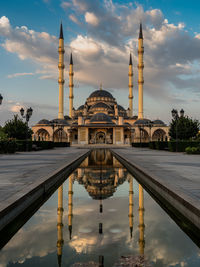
point(101, 35)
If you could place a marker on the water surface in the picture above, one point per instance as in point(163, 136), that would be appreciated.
point(100, 216)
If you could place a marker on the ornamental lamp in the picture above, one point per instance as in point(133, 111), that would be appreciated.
point(174, 113)
point(1, 98)
point(30, 112)
point(182, 112)
point(22, 112)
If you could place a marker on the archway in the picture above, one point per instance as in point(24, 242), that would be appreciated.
point(42, 135)
point(159, 135)
point(100, 138)
point(60, 135)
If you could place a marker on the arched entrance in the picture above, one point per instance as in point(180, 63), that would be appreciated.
point(42, 135)
point(159, 135)
point(100, 138)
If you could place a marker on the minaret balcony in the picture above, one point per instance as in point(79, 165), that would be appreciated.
point(141, 50)
point(140, 66)
point(62, 81)
point(61, 66)
point(61, 50)
point(140, 82)
point(130, 74)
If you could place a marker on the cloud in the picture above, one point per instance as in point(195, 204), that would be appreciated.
point(14, 75)
point(91, 18)
point(108, 32)
point(74, 19)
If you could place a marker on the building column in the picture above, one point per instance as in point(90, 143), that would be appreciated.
point(140, 73)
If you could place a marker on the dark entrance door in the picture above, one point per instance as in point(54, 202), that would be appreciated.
point(100, 138)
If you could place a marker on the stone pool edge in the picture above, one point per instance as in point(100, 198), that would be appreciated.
point(177, 199)
point(25, 198)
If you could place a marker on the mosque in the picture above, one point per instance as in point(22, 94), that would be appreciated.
point(100, 120)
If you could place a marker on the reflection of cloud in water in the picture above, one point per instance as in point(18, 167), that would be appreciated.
point(164, 242)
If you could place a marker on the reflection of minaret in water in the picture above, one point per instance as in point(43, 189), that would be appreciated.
point(70, 205)
point(141, 220)
point(130, 215)
point(60, 225)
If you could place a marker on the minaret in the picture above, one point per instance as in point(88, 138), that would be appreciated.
point(70, 205)
point(130, 85)
point(141, 220)
point(60, 210)
point(130, 215)
point(71, 86)
point(140, 74)
point(61, 67)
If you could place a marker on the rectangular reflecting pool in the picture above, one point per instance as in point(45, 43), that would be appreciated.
point(100, 216)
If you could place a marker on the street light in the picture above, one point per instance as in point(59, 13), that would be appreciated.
point(27, 116)
point(150, 125)
point(175, 116)
point(1, 98)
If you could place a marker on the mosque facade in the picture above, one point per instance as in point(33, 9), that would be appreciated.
point(100, 120)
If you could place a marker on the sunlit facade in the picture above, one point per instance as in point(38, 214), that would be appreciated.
point(100, 120)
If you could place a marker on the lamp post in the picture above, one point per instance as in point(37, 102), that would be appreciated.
point(27, 116)
point(1, 98)
point(140, 128)
point(175, 116)
point(150, 125)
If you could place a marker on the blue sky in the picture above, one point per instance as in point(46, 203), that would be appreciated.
point(101, 35)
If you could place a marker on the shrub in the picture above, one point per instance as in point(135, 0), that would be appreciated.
point(192, 150)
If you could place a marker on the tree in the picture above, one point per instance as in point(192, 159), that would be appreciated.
point(187, 128)
point(17, 129)
point(3, 136)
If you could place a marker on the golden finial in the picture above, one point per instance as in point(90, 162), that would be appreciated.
point(100, 86)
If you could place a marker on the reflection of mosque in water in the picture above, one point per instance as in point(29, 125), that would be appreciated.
point(100, 174)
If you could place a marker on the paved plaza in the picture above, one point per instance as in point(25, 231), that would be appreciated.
point(21, 172)
point(179, 173)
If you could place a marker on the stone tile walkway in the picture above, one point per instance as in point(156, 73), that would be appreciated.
point(178, 172)
point(20, 172)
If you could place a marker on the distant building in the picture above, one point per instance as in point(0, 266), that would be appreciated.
point(100, 120)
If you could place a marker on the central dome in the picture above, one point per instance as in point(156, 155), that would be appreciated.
point(101, 118)
point(101, 93)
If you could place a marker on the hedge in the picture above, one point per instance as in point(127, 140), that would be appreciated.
point(61, 144)
point(12, 146)
point(182, 145)
point(142, 144)
point(8, 146)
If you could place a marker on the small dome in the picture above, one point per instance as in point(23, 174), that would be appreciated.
point(121, 108)
point(101, 118)
point(59, 121)
point(158, 122)
point(67, 117)
point(101, 93)
point(100, 105)
point(44, 121)
point(142, 121)
point(81, 107)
